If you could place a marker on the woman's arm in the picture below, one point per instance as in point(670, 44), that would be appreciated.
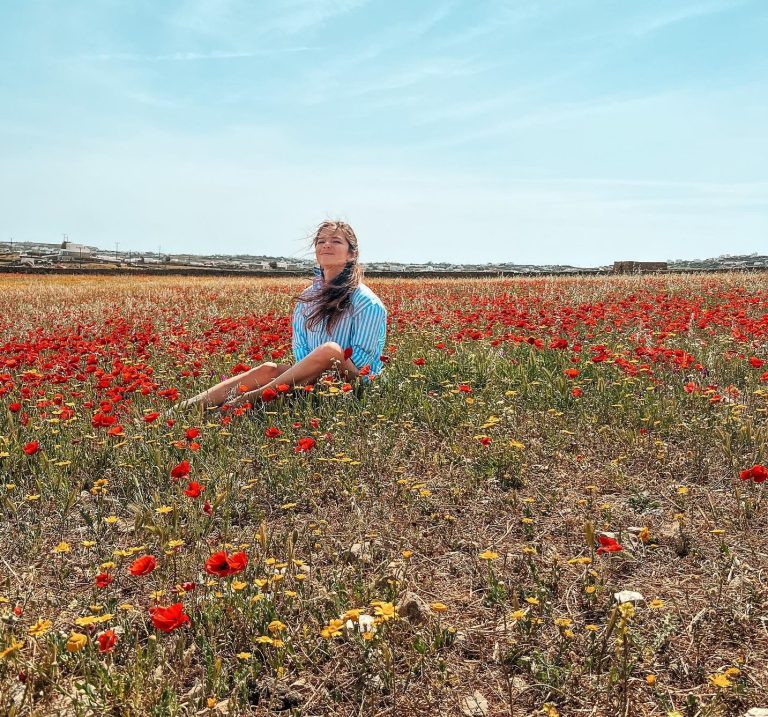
point(299, 339)
point(368, 335)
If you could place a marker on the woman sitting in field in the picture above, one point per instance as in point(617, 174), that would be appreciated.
point(339, 323)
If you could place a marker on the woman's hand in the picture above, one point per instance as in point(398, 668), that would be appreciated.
point(243, 398)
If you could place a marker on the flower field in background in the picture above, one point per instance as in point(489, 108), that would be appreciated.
point(551, 502)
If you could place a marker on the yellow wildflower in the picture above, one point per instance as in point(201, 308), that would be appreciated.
point(488, 555)
point(720, 680)
point(93, 619)
point(332, 629)
point(582, 560)
point(76, 642)
point(40, 628)
point(383, 610)
point(13, 647)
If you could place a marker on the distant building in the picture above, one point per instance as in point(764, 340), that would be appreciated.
point(638, 267)
point(75, 252)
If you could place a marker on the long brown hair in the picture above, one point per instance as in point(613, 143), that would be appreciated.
point(333, 298)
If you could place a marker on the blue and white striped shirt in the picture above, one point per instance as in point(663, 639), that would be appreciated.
point(363, 328)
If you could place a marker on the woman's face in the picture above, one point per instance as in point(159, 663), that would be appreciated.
point(332, 249)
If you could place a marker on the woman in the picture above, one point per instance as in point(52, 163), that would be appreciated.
point(339, 323)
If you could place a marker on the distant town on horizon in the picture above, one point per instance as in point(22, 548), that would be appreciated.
point(67, 254)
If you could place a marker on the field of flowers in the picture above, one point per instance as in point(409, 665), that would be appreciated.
point(552, 502)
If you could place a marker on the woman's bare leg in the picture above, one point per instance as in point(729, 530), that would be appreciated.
point(328, 356)
point(252, 379)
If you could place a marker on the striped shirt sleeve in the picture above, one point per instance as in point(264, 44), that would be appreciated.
point(369, 334)
point(300, 345)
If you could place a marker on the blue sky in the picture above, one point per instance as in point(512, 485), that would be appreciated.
point(551, 131)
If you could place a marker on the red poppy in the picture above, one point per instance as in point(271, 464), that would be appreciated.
point(107, 641)
point(571, 372)
point(14, 407)
point(103, 580)
point(167, 619)
point(115, 430)
point(31, 448)
point(608, 545)
point(143, 565)
point(485, 440)
point(757, 473)
point(314, 422)
point(181, 470)
point(192, 433)
point(577, 392)
point(268, 394)
point(222, 565)
point(273, 432)
point(150, 417)
point(194, 489)
point(103, 420)
point(756, 362)
point(347, 352)
point(207, 508)
point(346, 387)
point(283, 388)
point(465, 388)
point(365, 370)
point(304, 445)
point(419, 361)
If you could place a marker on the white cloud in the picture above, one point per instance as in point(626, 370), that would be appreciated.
point(673, 16)
point(194, 56)
point(238, 20)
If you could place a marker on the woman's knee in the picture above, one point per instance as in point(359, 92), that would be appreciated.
point(265, 371)
point(331, 352)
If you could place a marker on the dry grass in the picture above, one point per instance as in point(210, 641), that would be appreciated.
point(476, 479)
